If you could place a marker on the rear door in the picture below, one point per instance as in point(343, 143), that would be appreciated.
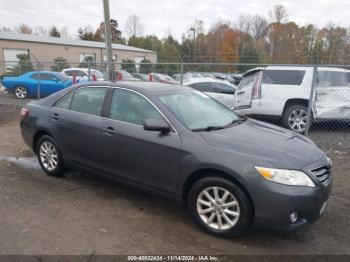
point(332, 95)
point(244, 91)
point(77, 120)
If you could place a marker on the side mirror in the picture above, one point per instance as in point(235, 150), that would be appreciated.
point(156, 125)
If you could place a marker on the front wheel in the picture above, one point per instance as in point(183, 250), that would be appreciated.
point(295, 118)
point(219, 207)
point(21, 92)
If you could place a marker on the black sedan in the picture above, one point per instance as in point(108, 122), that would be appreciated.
point(232, 172)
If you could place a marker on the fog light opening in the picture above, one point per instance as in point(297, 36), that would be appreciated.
point(293, 217)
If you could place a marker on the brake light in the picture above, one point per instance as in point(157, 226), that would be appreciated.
point(257, 86)
point(24, 112)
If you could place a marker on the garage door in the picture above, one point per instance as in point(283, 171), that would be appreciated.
point(10, 57)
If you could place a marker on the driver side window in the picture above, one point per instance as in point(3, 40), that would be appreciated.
point(130, 107)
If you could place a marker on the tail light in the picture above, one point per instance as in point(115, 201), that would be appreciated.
point(257, 86)
point(24, 112)
point(150, 78)
point(94, 78)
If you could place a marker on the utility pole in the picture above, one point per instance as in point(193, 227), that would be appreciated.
point(108, 39)
point(194, 44)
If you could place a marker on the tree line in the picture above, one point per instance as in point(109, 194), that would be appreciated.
point(250, 39)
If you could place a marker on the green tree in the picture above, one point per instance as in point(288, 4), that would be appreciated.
point(88, 61)
point(60, 63)
point(54, 32)
point(145, 66)
point(24, 65)
point(128, 65)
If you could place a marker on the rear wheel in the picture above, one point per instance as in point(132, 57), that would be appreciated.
point(49, 156)
point(295, 118)
point(21, 92)
point(219, 207)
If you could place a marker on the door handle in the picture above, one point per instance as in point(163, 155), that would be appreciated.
point(55, 116)
point(240, 92)
point(109, 131)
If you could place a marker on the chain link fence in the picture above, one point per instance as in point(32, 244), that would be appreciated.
point(309, 99)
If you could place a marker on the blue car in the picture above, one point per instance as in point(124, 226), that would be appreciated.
point(26, 85)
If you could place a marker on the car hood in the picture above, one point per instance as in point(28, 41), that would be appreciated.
point(268, 144)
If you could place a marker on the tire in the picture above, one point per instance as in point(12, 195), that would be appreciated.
point(240, 222)
point(295, 118)
point(21, 92)
point(54, 166)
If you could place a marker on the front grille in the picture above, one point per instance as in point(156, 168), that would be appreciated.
point(322, 173)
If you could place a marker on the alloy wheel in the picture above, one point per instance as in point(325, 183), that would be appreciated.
point(297, 120)
point(48, 155)
point(218, 208)
point(21, 92)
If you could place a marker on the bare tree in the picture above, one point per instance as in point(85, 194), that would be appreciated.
point(279, 14)
point(259, 27)
point(64, 32)
point(39, 30)
point(133, 26)
point(24, 29)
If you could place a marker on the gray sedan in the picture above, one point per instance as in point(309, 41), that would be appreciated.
point(232, 172)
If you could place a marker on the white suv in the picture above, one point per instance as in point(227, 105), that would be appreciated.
point(284, 91)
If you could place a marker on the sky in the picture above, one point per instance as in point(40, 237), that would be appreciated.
point(160, 17)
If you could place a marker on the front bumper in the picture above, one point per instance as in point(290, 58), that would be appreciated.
point(274, 203)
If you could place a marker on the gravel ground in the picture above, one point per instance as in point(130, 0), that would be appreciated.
point(83, 214)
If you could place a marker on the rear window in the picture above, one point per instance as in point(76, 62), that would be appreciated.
point(283, 77)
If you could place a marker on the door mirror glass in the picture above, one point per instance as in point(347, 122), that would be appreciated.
point(156, 125)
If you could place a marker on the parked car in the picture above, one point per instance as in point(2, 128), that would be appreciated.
point(233, 172)
point(222, 91)
point(162, 78)
point(227, 77)
point(283, 92)
point(125, 75)
point(143, 77)
point(82, 74)
point(27, 84)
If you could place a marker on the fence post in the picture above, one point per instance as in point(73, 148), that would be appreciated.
point(38, 87)
point(89, 72)
point(311, 100)
point(182, 73)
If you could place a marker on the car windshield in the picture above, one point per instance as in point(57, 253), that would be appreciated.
point(62, 77)
point(197, 111)
point(125, 74)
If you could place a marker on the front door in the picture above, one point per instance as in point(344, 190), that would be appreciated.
point(149, 158)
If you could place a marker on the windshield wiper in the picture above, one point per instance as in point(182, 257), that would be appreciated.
point(208, 128)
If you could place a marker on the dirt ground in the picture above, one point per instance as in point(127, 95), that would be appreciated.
point(83, 214)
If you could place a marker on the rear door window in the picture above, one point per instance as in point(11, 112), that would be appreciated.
point(203, 87)
point(283, 77)
point(88, 100)
point(64, 103)
point(222, 88)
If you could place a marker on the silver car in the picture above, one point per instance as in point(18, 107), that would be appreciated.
point(220, 90)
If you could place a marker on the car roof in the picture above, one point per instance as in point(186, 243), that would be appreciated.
point(142, 86)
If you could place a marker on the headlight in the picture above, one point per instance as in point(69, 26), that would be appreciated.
point(286, 177)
